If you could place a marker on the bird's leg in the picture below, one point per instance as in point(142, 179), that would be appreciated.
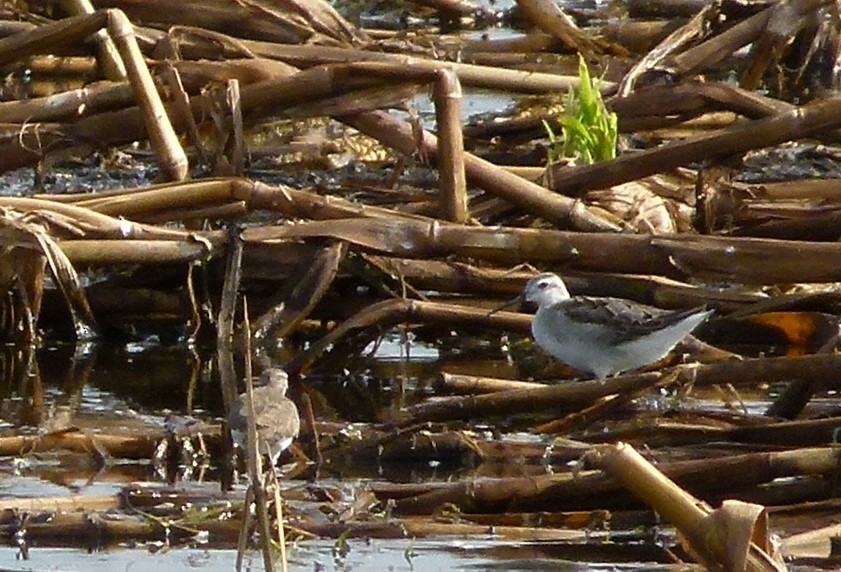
point(271, 469)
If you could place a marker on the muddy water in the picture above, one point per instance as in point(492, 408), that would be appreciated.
point(374, 556)
point(132, 388)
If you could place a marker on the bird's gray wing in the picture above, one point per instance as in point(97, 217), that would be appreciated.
point(268, 403)
point(281, 417)
point(622, 320)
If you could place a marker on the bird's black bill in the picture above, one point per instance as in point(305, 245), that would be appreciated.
point(513, 302)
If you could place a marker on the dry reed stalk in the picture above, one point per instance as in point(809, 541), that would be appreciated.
point(131, 202)
point(452, 182)
point(823, 369)
point(107, 54)
point(732, 537)
point(561, 396)
point(415, 528)
point(481, 77)
point(551, 19)
point(315, 22)
point(171, 157)
point(223, 211)
point(739, 260)
point(484, 174)
point(28, 240)
point(68, 105)
point(103, 252)
point(235, 146)
point(181, 109)
point(461, 384)
point(800, 122)
point(679, 433)
point(660, 106)
point(727, 474)
point(120, 446)
point(71, 504)
point(226, 318)
point(302, 291)
point(86, 223)
point(391, 312)
point(257, 481)
point(722, 45)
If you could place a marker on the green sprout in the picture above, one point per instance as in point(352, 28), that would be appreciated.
point(589, 130)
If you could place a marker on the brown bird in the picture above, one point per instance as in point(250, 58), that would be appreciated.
point(276, 416)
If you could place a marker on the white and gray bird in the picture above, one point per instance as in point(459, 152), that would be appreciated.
point(276, 416)
point(603, 336)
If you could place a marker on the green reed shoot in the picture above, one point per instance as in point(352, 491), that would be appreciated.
point(588, 129)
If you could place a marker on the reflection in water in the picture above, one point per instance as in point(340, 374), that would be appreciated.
point(172, 397)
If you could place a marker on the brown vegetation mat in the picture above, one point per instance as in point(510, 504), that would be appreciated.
point(712, 200)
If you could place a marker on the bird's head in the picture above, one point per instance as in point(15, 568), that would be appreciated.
point(545, 290)
point(275, 377)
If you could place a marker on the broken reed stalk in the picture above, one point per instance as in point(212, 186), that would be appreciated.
point(797, 123)
point(171, 157)
point(687, 513)
point(101, 225)
point(244, 527)
point(551, 19)
point(255, 461)
point(678, 256)
point(461, 384)
point(108, 56)
point(529, 196)
point(390, 312)
point(452, 182)
point(293, 203)
point(297, 298)
point(256, 491)
point(579, 490)
point(368, 62)
point(68, 105)
point(398, 528)
point(181, 109)
point(235, 139)
point(105, 252)
point(823, 369)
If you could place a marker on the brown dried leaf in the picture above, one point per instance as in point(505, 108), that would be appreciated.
point(18, 230)
point(740, 528)
point(638, 206)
